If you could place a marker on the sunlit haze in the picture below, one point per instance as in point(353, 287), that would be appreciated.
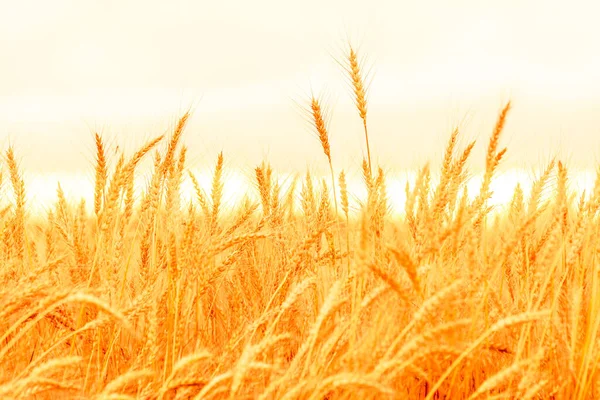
point(128, 69)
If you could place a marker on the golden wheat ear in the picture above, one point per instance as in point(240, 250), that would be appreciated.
point(320, 127)
point(18, 186)
point(354, 70)
point(493, 156)
point(101, 174)
point(263, 181)
point(217, 192)
point(344, 194)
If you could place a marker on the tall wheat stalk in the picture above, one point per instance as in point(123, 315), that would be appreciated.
point(323, 135)
point(353, 68)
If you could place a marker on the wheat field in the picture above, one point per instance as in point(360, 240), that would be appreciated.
point(293, 294)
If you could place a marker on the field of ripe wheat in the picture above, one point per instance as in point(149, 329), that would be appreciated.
point(293, 294)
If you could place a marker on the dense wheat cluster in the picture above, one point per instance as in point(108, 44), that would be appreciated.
point(293, 296)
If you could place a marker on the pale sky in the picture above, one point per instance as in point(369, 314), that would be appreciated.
point(129, 68)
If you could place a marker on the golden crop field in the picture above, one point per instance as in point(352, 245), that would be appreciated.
point(295, 295)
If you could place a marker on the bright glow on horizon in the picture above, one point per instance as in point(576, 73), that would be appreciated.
point(41, 190)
